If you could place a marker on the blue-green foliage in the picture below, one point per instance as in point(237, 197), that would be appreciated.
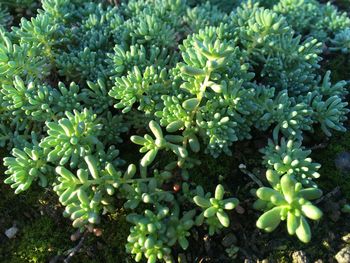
point(311, 18)
point(78, 78)
point(5, 17)
point(145, 89)
point(21, 60)
point(91, 38)
point(26, 166)
point(341, 41)
point(72, 137)
point(203, 15)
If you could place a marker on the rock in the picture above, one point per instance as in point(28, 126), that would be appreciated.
point(77, 235)
point(229, 240)
point(11, 232)
point(346, 238)
point(300, 257)
point(90, 228)
point(97, 232)
point(343, 256)
point(239, 209)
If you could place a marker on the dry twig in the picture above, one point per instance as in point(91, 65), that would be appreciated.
point(75, 250)
point(328, 195)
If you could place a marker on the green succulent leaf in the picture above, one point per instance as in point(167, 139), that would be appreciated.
point(270, 220)
point(303, 231)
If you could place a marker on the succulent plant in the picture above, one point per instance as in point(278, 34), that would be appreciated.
point(71, 138)
point(186, 78)
point(26, 166)
point(151, 146)
point(289, 157)
point(214, 209)
point(289, 201)
point(85, 194)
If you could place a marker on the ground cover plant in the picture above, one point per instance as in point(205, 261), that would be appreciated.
point(177, 119)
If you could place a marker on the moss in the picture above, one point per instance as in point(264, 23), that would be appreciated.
point(116, 230)
point(110, 247)
point(209, 173)
point(41, 238)
point(37, 241)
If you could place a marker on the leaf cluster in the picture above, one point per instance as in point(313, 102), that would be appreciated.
point(81, 79)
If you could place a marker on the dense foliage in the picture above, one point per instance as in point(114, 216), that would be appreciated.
point(78, 78)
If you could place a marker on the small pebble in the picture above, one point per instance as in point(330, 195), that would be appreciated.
point(97, 232)
point(90, 228)
point(343, 256)
point(299, 257)
point(75, 236)
point(176, 188)
point(11, 232)
point(239, 209)
point(346, 238)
